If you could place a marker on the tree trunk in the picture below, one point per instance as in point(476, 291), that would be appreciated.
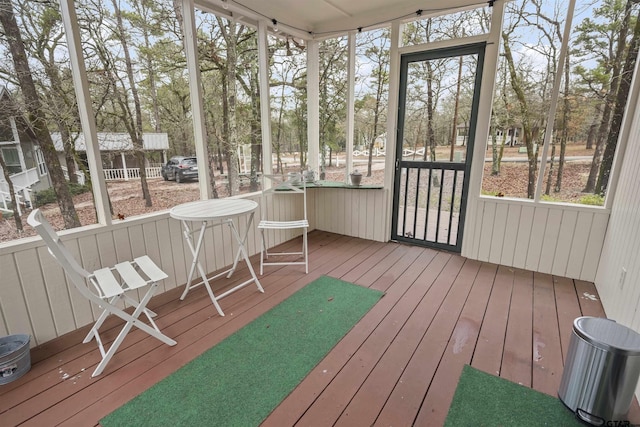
point(376, 114)
point(600, 143)
point(524, 111)
point(136, 131)
point(69, 151)
point(495, 165)
point(279, 127)
point(431, 137)
point(35, 115)
point(232, 146)
point(58, 97)
point(547, 189)
point(618, 112)
point(256, 147)
point(609, 101)
point(591, 136)
point(564, 134)
point(504, 123)
point(153, 90)
point(222, 145)
point(455, 112)
point(210, 165)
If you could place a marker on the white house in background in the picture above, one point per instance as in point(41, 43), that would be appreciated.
point(513, 135)
point(116, 148)
point(21, 154)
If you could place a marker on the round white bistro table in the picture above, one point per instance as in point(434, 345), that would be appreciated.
point(212, 213)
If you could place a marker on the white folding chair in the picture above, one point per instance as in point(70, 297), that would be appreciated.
point(110, 285)
point(279, 187)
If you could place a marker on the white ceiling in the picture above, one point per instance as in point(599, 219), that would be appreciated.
point(320, 17)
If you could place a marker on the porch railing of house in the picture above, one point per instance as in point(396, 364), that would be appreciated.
point(79, 174)
point(130, 173)
point(23, 198)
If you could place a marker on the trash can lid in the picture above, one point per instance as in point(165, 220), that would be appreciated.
point(608, 335)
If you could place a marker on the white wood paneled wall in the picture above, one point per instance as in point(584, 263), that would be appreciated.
point(556, 239)
point(618, 277)
point(352, 212)
point(37, 299)
point(620, 292)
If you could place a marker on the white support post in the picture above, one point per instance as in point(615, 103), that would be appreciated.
point(85, 109)
point(487, 86)
point(195, 91)
point(265, 105)
point(392, 111)
point(351, 79)
point(392, 123)
point(555, 95)
point(313, 105)
point(124, 166)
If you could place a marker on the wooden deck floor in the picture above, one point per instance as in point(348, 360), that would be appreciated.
point(398, 366)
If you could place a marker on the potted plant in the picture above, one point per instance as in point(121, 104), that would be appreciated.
point(356, 177)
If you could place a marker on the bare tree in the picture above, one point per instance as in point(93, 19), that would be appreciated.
point(527, 126)
point(133, 123)
point(249, 83)
point(378, 53)
point(333, 99)
point(500, 120)
point(230, 33)
point(428, 87)
point(615, 64)
point(35, 115)
point(44, 39)
point(618, 111)
point(564, 133)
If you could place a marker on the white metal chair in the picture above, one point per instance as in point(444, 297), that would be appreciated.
point(106, 287)
point(280, 187)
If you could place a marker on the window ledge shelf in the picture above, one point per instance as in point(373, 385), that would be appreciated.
point(335, 184)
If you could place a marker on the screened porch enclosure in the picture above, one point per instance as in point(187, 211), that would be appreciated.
point(526, 266)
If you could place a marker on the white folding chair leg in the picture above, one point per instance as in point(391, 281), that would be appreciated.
point(263, 251)
point(103, 316)
point(242, 251)
point(135, 303)
point(112, 350)
point(105, 313)
point(132, 320)
point(305, 242)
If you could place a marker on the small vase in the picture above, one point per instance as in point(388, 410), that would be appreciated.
point(356, 178)
point(294, 178)
point(309, 176)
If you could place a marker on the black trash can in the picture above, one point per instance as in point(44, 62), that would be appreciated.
point(601, 370)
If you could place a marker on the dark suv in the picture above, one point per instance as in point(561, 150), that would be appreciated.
point(180, 168)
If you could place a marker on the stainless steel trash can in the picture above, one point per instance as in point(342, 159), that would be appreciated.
point(601, 370)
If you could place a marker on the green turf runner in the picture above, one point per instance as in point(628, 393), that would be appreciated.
point(482, 399)
point(243, 378)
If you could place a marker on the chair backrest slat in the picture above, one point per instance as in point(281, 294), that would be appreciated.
point(292, 184)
